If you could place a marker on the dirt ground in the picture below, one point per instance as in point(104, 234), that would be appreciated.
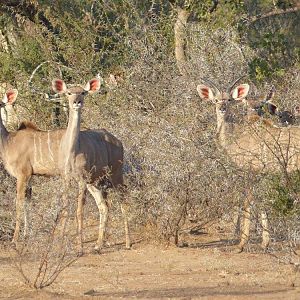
point(155, 272)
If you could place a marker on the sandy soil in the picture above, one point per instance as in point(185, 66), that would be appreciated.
point(156, 272)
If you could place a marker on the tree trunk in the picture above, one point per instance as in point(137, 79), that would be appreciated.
point(180, 39)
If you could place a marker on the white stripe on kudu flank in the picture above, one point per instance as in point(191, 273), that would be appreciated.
point(49, 146)
point(41, 150)
point(34, 148)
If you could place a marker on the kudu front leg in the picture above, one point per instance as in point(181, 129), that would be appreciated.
point(80, 206)
point(20, 208)
point(103, 214)
point(63, 213)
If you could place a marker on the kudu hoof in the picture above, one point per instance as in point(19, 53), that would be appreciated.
point(265, 248)
point(238, 249)
point(97, 249)
point(13, 244)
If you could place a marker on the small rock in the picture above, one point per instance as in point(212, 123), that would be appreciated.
point(90, 292)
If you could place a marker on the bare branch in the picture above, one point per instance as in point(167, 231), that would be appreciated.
point(274, 13)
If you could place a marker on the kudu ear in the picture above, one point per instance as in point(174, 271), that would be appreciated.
point(297, 111)
point(272, 108)
point(205, 92)
point(59, 86)
point(10, 96)
point(240, 92)
point(93, 85)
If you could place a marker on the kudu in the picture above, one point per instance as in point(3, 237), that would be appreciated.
point(92, 157)
point(30, 151)
point(16, 152)
point(260, 108)
point(265, 108)
point(255, 147)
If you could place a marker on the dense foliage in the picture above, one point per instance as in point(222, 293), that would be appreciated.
point(176, 173)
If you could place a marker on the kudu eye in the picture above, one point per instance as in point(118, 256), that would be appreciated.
point(69, 93)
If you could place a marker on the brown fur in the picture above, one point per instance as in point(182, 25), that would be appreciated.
point(28, 125)
point(91, 157)
point(255, 119)
point(33, 157)
point(264, 148)
point(258, 146)
point(30, 151)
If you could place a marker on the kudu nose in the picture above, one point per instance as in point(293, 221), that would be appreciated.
point(77, 103)
point(223, 107)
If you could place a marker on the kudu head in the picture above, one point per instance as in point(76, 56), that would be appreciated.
point(9, 98)
point(262, 107)
point(285, 117)
point(222, 99)
point(76, 94)
point(266, 108)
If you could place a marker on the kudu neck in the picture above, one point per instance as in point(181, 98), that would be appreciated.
point(70, 142)
point(3, 131)
point(73, 128)
point(222, 127)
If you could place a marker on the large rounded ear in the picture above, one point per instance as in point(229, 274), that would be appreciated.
point(59, 86)
point(205, 92)
point(240, 92)
point(93, 85)
point(10, 96)
point(297, 111)
point(270, 94)
point(272, 108)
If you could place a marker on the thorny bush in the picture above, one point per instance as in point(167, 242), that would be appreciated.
point(177, 177)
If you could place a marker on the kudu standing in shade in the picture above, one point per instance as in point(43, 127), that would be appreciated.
point(256, 147)
point(91, 157)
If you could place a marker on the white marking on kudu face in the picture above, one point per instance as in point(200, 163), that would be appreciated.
point(76, 94)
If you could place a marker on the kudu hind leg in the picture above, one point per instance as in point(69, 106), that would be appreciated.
point(245, 232)
point(103, 213)
point(265, 233)
point(124, 210)
point(124, 206)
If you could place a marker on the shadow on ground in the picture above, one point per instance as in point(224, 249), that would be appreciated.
point(186, 292)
